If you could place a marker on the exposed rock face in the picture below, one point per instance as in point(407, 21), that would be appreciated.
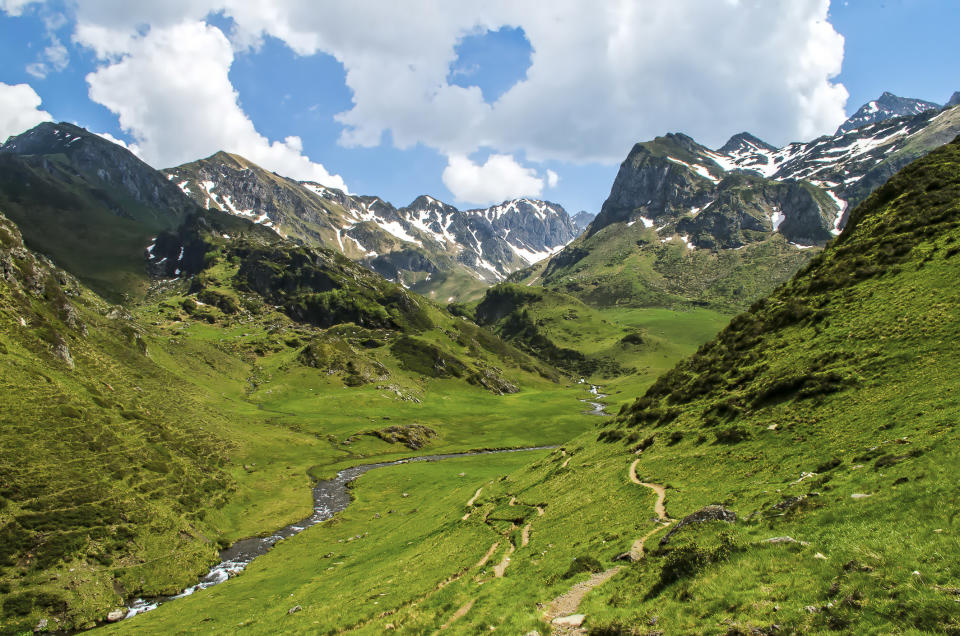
point(802, 190)
point(581, 220)
point(707, 513)
point(682, 188)
point(954, 99)
point(489, 243)
point(886, 106)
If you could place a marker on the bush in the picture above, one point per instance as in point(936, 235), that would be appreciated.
point(732, 435)
point(585, 563)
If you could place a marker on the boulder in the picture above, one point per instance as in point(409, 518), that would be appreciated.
point(707, 513)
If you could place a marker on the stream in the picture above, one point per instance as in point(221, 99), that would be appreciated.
point(598, 407)
point(329, 497)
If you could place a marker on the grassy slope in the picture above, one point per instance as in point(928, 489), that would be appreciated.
point(630, 266)
point(847, 372)
point(625, 348)
point(178, 431)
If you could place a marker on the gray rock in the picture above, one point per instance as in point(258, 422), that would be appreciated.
point(294, 609)
point(41, 626)
point(707, 513)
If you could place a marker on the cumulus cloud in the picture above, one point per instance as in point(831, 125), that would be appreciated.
point(171, 91)
point(19, 109)
point(602, 76)
point(499, 178)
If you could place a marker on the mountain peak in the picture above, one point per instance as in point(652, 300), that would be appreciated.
point(954, 99)
point(884, 107)
point(743, 141)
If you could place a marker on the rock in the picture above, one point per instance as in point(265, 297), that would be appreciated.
point(294, 609)
point(820, 555)
point(532, 633)
point(811, 609)
point(116, 615)
point(707, 513)
point(41, 626)
point(574, 620)
point(623, 556)
point(405, 494)
point(62, 351)
point(781, 540)
point(859, 495)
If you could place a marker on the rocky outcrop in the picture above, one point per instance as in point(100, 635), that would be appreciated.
point(887, 106)
point(705, 514)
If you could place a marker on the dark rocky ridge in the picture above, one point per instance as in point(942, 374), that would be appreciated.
point(886, 106)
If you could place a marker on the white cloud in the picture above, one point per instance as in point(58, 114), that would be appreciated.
point(54, 58)
point(120, 142)
point(171, 91)
point(15, 7)
point(602, 76)
point(501, 177)
point(19, 109)
point(552, 179)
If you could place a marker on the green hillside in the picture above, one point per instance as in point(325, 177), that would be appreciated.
point(140, 440)
point(817, 430)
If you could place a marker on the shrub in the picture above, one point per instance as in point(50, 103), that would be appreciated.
point(584, 563)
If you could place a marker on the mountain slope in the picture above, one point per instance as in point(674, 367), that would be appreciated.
point(430, 246)
point(686, 224)
point(886, 106)
point(88, 203)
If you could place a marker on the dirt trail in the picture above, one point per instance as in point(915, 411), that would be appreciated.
point(568, 602)
point(470, 503)
point(486, 557)
point(474, 498)
point(460, 613)
point(501, 567)
point(658, 507)
point(525, 536)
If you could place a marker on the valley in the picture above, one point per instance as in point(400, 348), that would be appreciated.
point(340, 416)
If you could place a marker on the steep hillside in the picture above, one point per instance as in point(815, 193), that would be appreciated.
point(429, 246)
point(88, 203)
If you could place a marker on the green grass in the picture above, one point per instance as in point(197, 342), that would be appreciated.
point(826, 414)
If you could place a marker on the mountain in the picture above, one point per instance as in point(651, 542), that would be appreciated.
point(685, 224)
point(886, 106)
point(582, 219)
point(430, 246)
point(88, 203)
point(954, 99)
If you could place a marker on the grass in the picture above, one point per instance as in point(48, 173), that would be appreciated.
point(825, 414)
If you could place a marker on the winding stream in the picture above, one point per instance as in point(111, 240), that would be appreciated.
point(598, 407)
point(329, 497)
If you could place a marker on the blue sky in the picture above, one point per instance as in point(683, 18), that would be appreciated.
point(405, 121)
